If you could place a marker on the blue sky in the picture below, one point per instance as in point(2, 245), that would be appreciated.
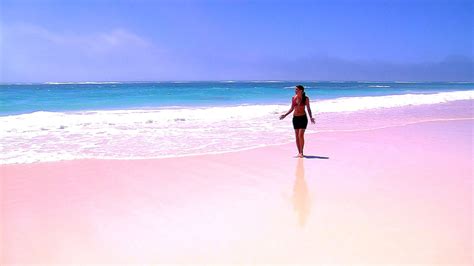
point(143, 40)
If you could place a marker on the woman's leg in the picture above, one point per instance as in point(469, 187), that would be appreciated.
point(301, 140)
point(297, 140)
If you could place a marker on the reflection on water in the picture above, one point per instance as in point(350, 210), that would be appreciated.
point(301, 200)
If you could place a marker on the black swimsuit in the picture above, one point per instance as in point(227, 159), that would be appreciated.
point(300, 122)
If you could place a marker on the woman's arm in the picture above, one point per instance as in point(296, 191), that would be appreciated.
point(289, 111)
point(309, 111)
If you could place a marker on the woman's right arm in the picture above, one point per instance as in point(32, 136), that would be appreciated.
point(289, 111)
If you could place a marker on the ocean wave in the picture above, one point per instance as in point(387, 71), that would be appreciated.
point(46, 136)
point(408, 82)
point(267, 81)
point(379, 86)
point(82, 83)
point(350, 104)
point(159, 133)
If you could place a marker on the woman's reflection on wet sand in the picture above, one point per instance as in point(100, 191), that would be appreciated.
point(301, 200)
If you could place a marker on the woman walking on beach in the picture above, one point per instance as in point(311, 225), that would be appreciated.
point(300, 120)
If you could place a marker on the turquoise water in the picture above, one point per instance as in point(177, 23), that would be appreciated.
point(53, 122)
point(28, 98)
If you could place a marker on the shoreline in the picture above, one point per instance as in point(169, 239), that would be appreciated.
point(247, 149)
point(332, 123)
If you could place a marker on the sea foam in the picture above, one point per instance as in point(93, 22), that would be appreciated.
point(350, 104)
point(378, 86)
point(158, 133)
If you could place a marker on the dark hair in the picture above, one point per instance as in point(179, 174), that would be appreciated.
point(300, 87)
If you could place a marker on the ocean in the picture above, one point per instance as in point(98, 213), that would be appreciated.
point(137, 120)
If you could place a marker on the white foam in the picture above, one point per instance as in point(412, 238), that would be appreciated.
point(158, 133)
point(350, 104)
point(378, 86)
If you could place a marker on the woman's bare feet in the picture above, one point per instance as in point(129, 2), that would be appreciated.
point(300, 155)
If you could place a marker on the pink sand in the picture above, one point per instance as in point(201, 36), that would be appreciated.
point(395, 195)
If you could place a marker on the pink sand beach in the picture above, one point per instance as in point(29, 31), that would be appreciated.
point(396, 195)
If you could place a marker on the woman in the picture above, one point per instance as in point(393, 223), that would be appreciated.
point(300, 120)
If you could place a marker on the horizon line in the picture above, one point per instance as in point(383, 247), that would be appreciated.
point(111, 82)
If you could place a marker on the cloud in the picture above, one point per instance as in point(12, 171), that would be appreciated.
point(31, 53)
point(101, 41)
point(34, 53)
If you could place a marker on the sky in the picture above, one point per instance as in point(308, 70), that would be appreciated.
point(144, 40)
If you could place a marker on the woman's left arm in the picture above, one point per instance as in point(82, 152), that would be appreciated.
point(309, 111)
